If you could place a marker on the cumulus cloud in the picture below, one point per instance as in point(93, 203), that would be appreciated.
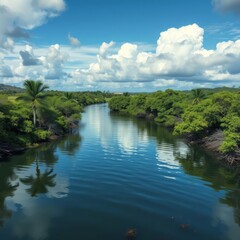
point(17, 32)
point(73, 41)
point(177, 54)
point(179, 57)
point(104, 48)
point(48, 64)
point(15, 16)
point(179, 60)
point(54, 62)
point(227, 5)
point(28, 58)
point(127, 50)
point(5, 70)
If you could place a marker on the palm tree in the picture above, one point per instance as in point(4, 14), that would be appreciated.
point(198, 94)
point(34, 94)
point(69, 96)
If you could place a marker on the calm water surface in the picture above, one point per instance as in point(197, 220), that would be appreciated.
point(114, 174)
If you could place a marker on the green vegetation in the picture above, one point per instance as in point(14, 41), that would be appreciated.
point(35, 115)
point(194, 114)
point(35, 95)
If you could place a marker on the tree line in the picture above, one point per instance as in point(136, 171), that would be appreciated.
point(38, 114)
point(194, 114)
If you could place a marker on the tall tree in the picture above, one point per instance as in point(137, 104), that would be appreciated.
point(198, 94)
point(69, 96)
point(35, 93)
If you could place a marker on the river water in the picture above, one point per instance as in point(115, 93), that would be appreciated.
point(113, 175)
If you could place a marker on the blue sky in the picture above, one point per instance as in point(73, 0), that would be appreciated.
point(96, 21)
point(120, 45)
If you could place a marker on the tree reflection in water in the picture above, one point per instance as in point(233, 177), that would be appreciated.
point(42, 178)
point(39, 183)
point(217, 176)
point(7, 189)
point(70, 144)
point(195, 162)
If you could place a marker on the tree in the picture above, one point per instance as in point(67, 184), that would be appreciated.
point(198, 94)
point(119, 103)
point(68, 95)
point(34, 94)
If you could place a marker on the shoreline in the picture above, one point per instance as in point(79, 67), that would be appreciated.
point(212, 142)
point(8, 150)
point(209, 143)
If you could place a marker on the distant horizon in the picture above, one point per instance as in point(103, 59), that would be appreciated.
point(117, 46)
point(122, 92)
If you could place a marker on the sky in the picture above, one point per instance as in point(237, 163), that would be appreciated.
point(127, 45)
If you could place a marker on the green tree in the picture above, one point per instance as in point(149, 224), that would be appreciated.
point(198, 94)
point(34, 94)
point(119, 103)
point(69, 96)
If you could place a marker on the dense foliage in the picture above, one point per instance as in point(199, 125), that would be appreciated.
point(195, 114)
point(37, 114)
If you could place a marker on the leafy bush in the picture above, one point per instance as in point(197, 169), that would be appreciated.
point(41, 135)
point(193, 123)
point(230, 143)
point(119, 103)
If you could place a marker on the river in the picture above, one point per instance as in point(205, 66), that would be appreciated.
point(114, 174)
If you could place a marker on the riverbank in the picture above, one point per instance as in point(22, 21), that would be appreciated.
point(196, 115)
point(36, 116)
point(118, 170)
point(212, 143)
point(8, 150)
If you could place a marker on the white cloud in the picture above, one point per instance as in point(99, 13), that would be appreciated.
point(54, 62)
point(127, 50)
point(179, 60)
point(25, 14)
point(73, 41)
point(51, 5)
point(5, 70)
point(179, 57)
point(187, 39)
point(104, 48)
point(47, 65)
point(28, 58)
point(227, 5)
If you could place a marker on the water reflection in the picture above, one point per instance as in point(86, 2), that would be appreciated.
point(7, 190)
point(39, 183)
point(224, 213)
point(81, 180)
point(71, 143)
point(174, 154)
point(219, 177)
point(110, 128)
point(30, 175)
point(35, 219)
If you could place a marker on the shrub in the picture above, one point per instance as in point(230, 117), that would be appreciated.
point(41, 135)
